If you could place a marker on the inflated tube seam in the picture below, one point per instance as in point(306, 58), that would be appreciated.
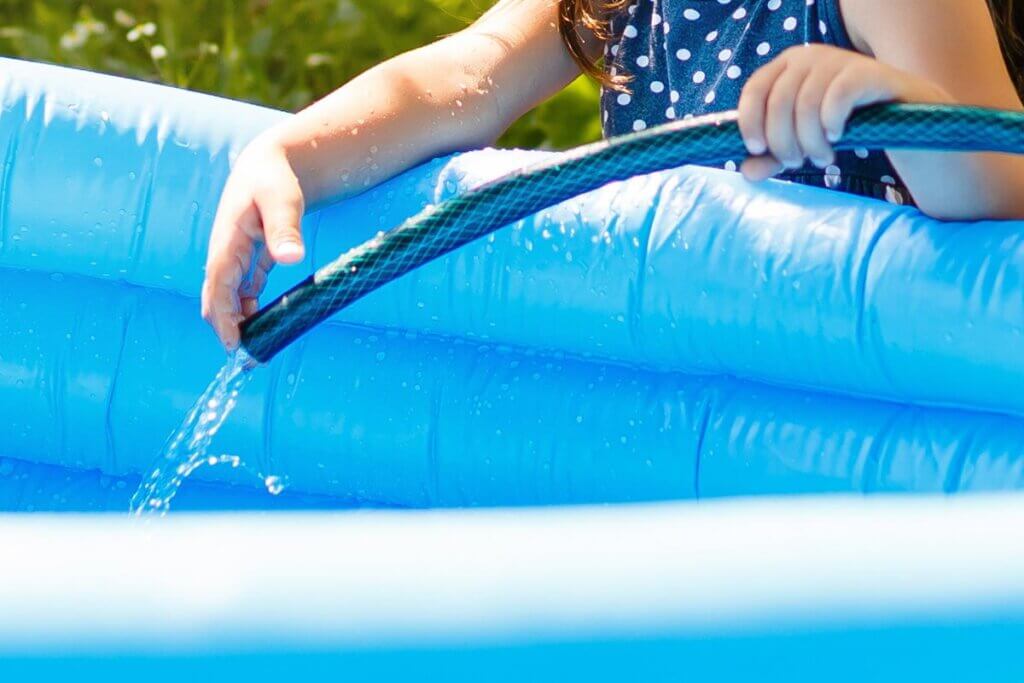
point(874, 458)
point(108, 416)
point(433, 450)
point(638, 286)
point(861, 330)
point(58, 399)
point(142, 227)
point(703, 424)
point(5, 184)
point(955, 472)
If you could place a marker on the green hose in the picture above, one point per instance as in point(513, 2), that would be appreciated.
point(479, 212)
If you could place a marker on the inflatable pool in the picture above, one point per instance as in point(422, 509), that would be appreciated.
point(668, 337)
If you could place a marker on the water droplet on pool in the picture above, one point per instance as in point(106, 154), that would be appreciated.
point(274, 485)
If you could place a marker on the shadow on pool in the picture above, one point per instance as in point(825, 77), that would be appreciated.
point(32, 487)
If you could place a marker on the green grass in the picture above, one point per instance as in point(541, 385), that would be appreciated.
point(280, 53)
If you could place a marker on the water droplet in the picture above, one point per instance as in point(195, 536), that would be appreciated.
point(274, 485)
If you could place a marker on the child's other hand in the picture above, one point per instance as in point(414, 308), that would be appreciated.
point(257, 225)
point(797, 106)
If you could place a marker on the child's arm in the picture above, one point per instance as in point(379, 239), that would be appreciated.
point(458, 93)
point(924, 51)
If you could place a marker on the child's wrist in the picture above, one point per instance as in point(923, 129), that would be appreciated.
point(922, 91)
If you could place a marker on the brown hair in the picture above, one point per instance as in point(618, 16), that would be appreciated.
point(1009, 19)
point(595, 16)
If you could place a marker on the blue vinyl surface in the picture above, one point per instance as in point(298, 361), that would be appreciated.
point(674, 337)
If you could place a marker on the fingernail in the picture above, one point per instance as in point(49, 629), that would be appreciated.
point(289, 249)
point(834, 136)
point(820, 162)
point(757, 147)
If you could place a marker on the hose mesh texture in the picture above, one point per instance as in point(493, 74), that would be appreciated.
point(479, 212)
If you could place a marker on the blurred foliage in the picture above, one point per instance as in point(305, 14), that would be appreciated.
point(280, 53)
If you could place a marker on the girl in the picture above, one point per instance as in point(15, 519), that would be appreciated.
point(795, 70)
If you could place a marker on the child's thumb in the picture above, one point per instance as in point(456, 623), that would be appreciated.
point(281, 229)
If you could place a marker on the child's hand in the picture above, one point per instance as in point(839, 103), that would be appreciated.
point(796, 106)
point(257, 224)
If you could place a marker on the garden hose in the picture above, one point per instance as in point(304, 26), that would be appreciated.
point(708, 140)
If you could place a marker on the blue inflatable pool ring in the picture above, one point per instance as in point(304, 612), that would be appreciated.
point(662, 338)
point(675, 335)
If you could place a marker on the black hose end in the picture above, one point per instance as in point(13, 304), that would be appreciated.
point(276, 325)
point(255, 340)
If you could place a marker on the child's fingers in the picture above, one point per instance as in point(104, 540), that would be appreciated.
point(752, 103)
point(780, 115)
point(810, 132)
point(250, 306)
point(228, 262)
point(852, 87)
point(253, 284)
point(760, 168)
point(221, 307)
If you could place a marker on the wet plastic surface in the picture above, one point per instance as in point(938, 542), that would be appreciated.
point(676, 335)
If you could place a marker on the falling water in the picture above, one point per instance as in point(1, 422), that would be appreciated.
point(187, 448)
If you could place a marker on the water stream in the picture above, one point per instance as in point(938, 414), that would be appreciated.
point(187, 449)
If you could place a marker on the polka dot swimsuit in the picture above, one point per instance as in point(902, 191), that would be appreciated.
point(692, 57)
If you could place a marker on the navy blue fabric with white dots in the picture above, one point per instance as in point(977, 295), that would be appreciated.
point(692, 57)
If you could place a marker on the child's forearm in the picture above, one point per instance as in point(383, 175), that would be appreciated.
point(402, 112)
point(948, 51)
point(959, 186)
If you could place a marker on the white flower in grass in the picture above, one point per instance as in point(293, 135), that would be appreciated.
point(316, 59)
point(158, 52)
point(122, 18)
point(72, 40)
